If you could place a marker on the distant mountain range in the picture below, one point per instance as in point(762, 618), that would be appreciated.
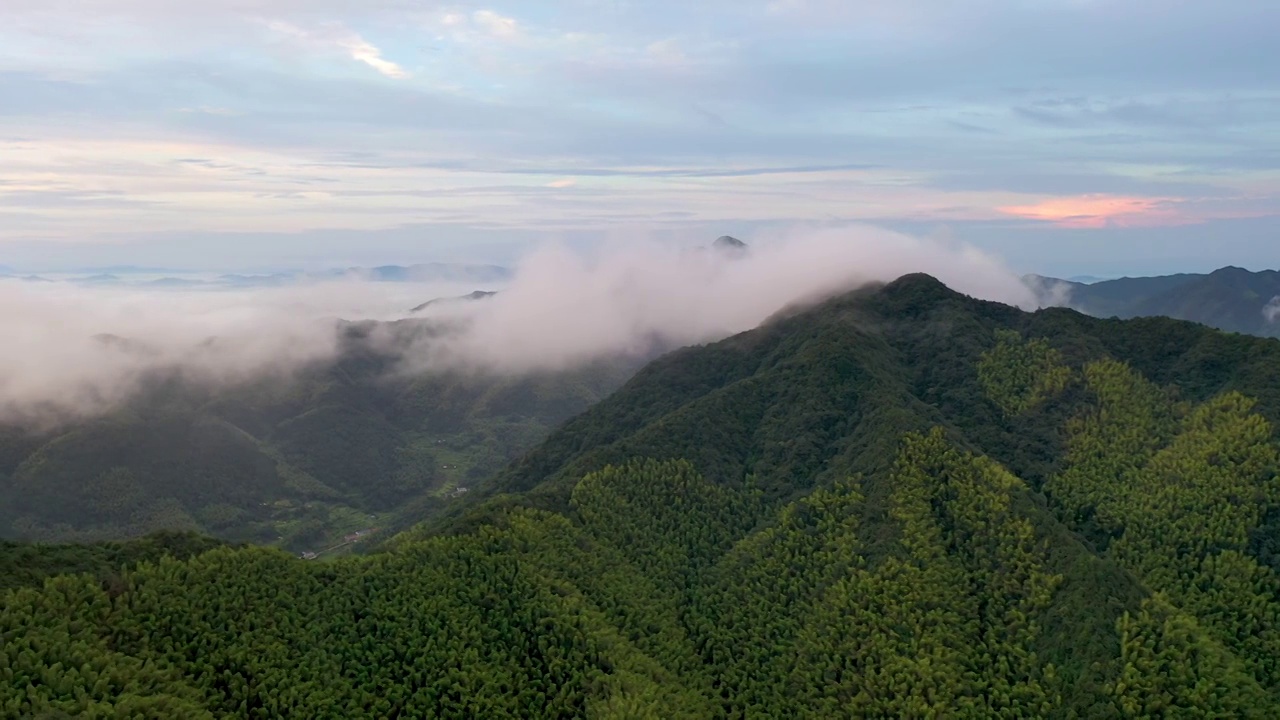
point(473, 295)
point(423, 273)
point(1230, 298)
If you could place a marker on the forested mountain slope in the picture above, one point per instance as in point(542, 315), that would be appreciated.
point(899, 503)
point(299, 461)
point(1229, 298)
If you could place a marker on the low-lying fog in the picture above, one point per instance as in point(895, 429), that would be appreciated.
point(76, 348)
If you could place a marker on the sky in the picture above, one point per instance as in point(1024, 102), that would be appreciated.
point(1068, 137)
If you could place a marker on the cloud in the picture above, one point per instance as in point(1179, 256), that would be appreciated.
point(1097, 211)
point(1271, 311)
point(482, 31)
point(72, 350)
point(29, 199)
point(1050, 292)
point(563, 307)
point(498, 26)
point(1155, 183)
point(667, 51)
point(372, 56)
point(677, 104)
point(560, 184)
point(336, 37)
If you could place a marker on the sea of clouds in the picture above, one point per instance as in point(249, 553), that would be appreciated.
point(72, 348)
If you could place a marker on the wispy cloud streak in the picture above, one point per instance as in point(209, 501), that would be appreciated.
point(339, 38)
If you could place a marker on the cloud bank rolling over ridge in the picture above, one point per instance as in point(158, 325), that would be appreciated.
point(79, 351)
point(564, 308)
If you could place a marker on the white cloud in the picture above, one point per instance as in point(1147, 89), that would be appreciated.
point(666, 51)
point(1050, 292)
point(563, 308)
point(366, 53)
point(55, 360)
point(1272, 310)
point(332, 36)
point(498, 26)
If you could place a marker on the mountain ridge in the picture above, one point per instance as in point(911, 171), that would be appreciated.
point(1230, 298)
point(911, 297)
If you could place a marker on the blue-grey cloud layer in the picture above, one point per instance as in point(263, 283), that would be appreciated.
point(137, 122)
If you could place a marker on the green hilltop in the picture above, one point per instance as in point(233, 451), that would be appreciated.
point(901, 502)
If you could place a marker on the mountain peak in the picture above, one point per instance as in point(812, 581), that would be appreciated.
point(471, 296)
point(918, 283)
point(912, 294)
point(729, 245)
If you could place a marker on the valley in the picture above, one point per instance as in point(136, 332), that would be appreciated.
point(337, 447)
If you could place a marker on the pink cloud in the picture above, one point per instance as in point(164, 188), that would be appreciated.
point(1097, 211)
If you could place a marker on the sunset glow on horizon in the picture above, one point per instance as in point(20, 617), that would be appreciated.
point(1099, 211)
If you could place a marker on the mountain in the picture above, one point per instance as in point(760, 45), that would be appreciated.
point(729, 245)
point(133, 270)
point(1229, 298)
point(338, 447)
point(900, 502)
point(474, 295)
point(420, 273)
point(426, 272)
point(100, 279)
point(272, 280)
point(173, 282)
